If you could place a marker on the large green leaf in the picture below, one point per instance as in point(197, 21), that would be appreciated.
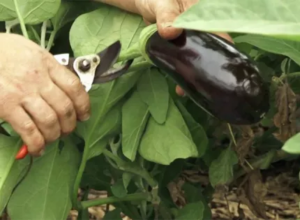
point(45, 193)
point(221, 169)
point(267, 17)
point(277, 46)
point(7, 10)
point(163, 143)
point(153, 89)
point(197, 131)
point(10, 169)
point(94, 31)
point(135, 114)
point(31, 11)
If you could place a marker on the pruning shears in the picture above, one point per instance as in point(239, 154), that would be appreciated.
point(91, 69)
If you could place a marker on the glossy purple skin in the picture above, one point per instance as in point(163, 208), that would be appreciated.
point(214, 74)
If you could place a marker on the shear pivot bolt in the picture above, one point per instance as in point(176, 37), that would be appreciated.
point(84, 65)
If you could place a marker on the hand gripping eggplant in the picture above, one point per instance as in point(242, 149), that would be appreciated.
point(91, 69)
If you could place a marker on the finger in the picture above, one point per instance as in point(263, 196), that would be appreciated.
point(71, 85)
point(63, 107)
point(26, 128)
point(179, 91)
point(165, 16)
point(43, 116)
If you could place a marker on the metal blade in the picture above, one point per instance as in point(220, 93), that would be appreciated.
point(108, 57)
point(112, 74)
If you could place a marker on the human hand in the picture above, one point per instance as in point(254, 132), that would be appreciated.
point(40, 98)
point(164, 13)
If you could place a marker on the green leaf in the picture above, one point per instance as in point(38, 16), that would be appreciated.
point(113, 215)
point(167, 142)
point(127, 177)
point(10, 169)
point(45, 193)
point(194, 194)
point(292, 145)
point(269, 17)
point(31, 11)
point(9, 129)
point(94, 31)
point(153, 89)
point(105, 120)
point(135, 115)
point(197, 131)
point(288, 48)
point(191, 211)
point(221, 169)
point(111, 125)
point(94, 174)
point(118, 189)
point(7, 9)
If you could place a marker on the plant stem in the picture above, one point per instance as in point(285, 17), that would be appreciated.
point(113, 199)
point(43, 34)
point(79, 175)
point(22, 24)
point(139, 66)
point(37, 37)
point(51, 39)
point(231, 134)
point(132, 168)
point(290, 75)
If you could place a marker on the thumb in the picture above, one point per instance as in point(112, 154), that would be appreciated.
point(164, 20)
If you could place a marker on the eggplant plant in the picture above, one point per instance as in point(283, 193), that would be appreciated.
point(158, 155)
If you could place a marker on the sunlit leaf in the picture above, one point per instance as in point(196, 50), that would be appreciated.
point(153, 89)
point(269, 17)
point(277, 46)
point(167, 142)
point(292, 145)
point(31, 11)
point(135, 115)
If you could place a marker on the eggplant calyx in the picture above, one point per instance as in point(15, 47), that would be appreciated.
point(145, 34)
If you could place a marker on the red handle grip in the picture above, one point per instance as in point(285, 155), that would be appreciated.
point(22, 153)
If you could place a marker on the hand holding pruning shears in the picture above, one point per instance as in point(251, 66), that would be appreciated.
point(41, 98)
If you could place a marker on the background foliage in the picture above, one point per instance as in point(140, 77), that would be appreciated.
point(142, 137)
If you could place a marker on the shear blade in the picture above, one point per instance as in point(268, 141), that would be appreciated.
point(108, 58)
point(112, 74)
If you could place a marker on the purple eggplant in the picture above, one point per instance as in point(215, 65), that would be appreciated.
point(214, 74)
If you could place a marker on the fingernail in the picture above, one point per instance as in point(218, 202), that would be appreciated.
point(86, 117)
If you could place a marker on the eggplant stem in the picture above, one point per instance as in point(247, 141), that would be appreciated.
point(231, 134)
point(130, 53)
